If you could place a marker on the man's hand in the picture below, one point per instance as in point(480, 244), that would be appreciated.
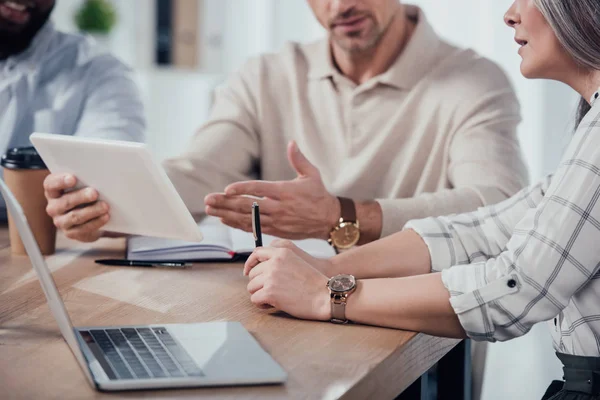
point(324, 266)
point(297, 209)
point(279, 278)
point(77, 213)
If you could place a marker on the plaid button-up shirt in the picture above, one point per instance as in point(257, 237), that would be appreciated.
point(534, 257)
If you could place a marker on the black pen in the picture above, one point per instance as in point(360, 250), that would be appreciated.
point(147, 264)
point(256, 225)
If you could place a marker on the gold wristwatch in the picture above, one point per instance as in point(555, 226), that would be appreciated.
point(340, 287)
point(347, 231)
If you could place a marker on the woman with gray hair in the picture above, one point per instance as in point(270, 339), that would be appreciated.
point(494, 273)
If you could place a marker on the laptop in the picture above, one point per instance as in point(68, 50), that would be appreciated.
point(152, 356)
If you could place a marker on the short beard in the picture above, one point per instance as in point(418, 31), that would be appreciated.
point(12, 43)
point(370, 44)
point(359, 49)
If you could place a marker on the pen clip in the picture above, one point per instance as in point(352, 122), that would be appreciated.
point(254, 206)
point(174, 264)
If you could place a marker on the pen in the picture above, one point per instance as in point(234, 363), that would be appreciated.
point(256, 225)
point(147, 264)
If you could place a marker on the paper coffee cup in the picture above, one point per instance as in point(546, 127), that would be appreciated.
point(24, 174)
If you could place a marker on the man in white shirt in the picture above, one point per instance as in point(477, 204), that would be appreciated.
point(59, 83)
point(389, 115)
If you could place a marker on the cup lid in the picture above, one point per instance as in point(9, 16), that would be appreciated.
point(22, 158)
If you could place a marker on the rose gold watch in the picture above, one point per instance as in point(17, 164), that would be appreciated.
point(347, 231)
point(340, 287)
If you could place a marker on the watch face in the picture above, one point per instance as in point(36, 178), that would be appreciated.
point(342, 283)
point(346, 235)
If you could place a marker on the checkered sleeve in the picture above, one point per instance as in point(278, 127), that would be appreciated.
point(473, 237)
point(551, 255)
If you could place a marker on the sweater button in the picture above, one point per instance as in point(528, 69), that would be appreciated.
point(511, 283)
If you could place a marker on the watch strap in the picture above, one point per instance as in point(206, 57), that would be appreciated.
point(348, 209)
point(338, 309)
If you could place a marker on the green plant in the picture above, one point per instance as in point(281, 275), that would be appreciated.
point(96, 16)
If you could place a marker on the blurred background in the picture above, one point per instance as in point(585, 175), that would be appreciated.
point(213, 38)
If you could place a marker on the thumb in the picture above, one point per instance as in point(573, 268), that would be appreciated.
point(301, 165)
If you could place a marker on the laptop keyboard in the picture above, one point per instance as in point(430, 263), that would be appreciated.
point(143, 353)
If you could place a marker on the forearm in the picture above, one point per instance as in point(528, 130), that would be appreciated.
point(397, 212)
point(370, 219)
point(380, 218)
point(194, 178)
point(405, 253)
point(199, 171)
point(419, 303)
point(402, 254)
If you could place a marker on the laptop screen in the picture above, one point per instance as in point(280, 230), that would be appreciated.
point(55, 302)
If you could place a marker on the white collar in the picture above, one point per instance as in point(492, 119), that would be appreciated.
point(594, 97)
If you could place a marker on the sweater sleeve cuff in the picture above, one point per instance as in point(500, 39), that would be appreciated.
point(396, 213)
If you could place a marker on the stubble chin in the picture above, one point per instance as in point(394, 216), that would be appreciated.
point(357, 44)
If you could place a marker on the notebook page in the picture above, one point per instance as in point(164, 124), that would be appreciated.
point(216, 239)
point(243, 243)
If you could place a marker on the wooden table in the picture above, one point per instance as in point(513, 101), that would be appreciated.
point(323, 360)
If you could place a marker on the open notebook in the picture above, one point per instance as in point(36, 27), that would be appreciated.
point(220, 243)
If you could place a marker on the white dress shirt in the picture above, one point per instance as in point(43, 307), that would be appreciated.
point(63, 84)
point(534, 257)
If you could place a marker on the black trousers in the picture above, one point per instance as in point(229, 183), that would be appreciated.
point(581, 379)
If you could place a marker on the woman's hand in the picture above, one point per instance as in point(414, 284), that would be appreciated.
point(320, 264)
point(280, 278)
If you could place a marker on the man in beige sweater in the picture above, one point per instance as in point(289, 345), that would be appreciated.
point(389, 115)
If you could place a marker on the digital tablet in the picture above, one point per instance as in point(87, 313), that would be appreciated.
point(142, 199)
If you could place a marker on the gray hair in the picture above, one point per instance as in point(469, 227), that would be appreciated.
point(576, 24)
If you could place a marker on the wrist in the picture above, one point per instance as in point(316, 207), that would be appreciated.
point(345, 234)
point(340, 287)
point(331, 267)
point(352, 301)
point(333, 216)
point(370, 216)
point(324, 304)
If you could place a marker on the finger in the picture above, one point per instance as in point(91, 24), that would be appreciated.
point(271, 190)
point(241, 204)
point(259, 269)
point(80, 216)
point(55, 184)
point(259, 256)
point(71, 200)
point(250, 263)
point(238, 220)
point(88, 232)
point(284, 244)
point(299, 162)
point(261, 299)
point(256, 284)
point(287, 244)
